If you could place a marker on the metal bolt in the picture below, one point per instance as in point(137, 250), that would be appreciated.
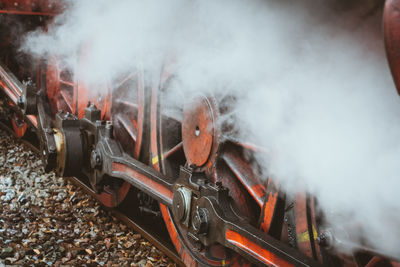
point(192, 166)
point(201, 181)
point(200, 221)
point(109, 129)
point(95, 159)
point(181, 202)
point(325, 239)
point(20, 102)
point(48, 131)
point(52, 148)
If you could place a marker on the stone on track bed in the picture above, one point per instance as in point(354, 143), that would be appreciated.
point(47, 221)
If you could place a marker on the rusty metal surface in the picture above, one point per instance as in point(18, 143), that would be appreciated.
point(31, 7)
point(198, 130)
point(391, 24)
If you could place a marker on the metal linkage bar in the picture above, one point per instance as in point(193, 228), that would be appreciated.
point(10, 84)
point(203, 208)
point(15, 90)
point(213, 220)
point(109, 159)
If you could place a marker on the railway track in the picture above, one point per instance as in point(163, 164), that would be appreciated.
point(136, 222)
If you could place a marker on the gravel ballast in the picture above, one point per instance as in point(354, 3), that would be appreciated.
point(47, 221)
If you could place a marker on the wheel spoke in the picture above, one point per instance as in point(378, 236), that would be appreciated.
point(67, 83)
point(173, 150)
point(128, 126)
point(245, 144)
point(374, 261)
point(303, 235)
point(245, 175)
point(67, 99)
point(126, 79)
point(273, 211)
point(175, 117)
point(127, 104)
point(314, 228)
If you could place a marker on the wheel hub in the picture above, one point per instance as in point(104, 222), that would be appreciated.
point(198, 130)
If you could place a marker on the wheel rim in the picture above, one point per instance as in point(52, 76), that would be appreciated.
point(65, 92)
point(128, 116)
point(169, 127)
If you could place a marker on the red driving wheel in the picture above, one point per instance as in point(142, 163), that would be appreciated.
point(190, 135)
point(66, 92)
point(193, 135)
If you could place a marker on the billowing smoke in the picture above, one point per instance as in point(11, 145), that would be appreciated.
point(311, 81)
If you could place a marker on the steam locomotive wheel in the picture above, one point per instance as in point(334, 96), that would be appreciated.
point(66, 93)
point(128, 116)
point(191, 137)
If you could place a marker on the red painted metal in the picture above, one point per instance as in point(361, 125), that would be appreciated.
point(19, 127)
point(245, 174)
point(164, 154)
point(144, 180)
point(198, 130)
point(248, 246)
point(314, 227)
point(391, 22)
point(66, 92)
point(9, 87)
point(112, 198)
point(267, 213)
point(31, 7)
point(304, 237)
point(33, 120)
point(18, 124)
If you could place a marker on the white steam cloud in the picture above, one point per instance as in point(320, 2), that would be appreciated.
point(312, 79)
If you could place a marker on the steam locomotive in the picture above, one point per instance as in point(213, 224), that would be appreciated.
point(217, 209)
